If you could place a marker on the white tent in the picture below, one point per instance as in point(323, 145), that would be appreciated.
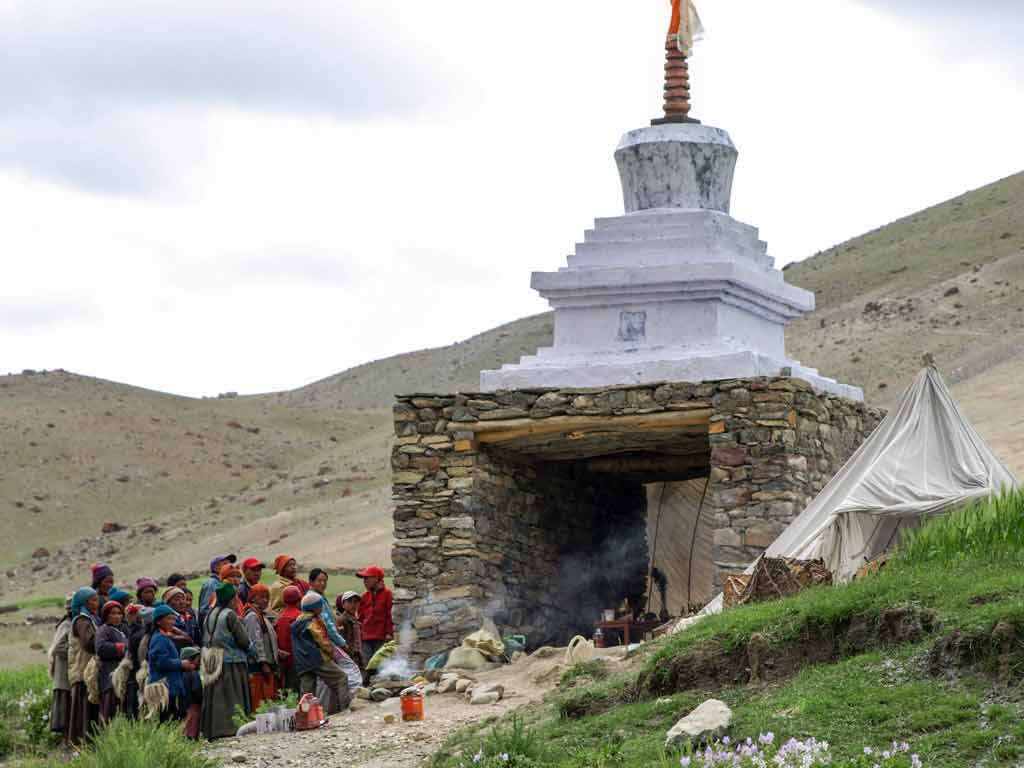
point(923, 460)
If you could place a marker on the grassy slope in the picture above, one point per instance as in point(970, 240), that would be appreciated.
point(959, 717)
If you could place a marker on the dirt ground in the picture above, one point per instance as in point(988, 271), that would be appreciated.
point(362, 739)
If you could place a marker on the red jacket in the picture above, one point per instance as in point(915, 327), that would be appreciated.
point(284, 633)
point(375, 614)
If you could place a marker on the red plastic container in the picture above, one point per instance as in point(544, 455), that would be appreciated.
point(412, 708)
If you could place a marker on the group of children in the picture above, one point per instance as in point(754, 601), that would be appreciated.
point(159, 653)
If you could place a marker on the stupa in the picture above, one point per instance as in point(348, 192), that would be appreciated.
point(675, 289)
point(665, 428)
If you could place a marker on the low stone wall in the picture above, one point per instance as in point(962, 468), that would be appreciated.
point(481, 531)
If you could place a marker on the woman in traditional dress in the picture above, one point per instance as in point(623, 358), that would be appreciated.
point(145, 591)
point(227, 649)
point(263, 670)
point(186, 622)
point(58, 657)
point(165, 689)
point(193, 694)
point(102, 581)
point(83, 714)
point(135, 630)
point(115, 661)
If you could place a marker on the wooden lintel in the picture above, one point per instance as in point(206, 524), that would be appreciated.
point(576, 427)
point(649, 464)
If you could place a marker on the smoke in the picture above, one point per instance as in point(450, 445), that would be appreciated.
point(398, 666)
point(602, 577)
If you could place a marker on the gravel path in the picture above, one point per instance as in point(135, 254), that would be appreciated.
point(362, 739)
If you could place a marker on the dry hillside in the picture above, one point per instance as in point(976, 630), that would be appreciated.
point(308, 469)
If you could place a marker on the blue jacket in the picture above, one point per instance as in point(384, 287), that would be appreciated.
point(165, 664)
point(306, 655)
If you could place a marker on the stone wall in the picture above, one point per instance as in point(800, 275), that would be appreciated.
point(775, 444)
point(482, 531)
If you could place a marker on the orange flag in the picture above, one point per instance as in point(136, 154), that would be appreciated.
point(685, 26)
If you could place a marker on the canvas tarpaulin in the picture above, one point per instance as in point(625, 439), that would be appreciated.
point(923, 460)
point(679, 533)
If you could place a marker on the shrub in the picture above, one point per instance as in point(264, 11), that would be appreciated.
point(285, 698)
point(586, 671)
point(139, 744)
point(25, 698)
point(512, 747)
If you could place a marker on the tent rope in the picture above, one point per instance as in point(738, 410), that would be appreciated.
point(693, 543)
point(654, 549)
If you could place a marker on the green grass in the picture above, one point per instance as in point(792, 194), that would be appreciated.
point(594, 670)
point(40, 602)
point(989, 529)
point(134, 744)
point(869, 700)
point(24, 713)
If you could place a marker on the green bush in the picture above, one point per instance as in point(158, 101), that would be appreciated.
point(285, 698)
point(513, 747)
point(139, 744)
point(25, 699)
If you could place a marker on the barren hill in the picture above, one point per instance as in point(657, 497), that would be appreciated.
point(308, 469)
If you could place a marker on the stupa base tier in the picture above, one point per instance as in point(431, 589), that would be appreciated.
point(545, 370)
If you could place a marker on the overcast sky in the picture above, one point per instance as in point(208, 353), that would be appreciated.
point(250, 195)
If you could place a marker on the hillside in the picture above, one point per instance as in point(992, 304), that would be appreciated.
point(309, 469)
point(185, 478)
point(445, 369)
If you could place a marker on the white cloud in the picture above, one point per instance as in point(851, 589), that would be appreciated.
point(237, 228)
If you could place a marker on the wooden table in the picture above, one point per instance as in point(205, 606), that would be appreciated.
point(627, 627)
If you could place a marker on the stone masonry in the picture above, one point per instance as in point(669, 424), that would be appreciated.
point(522, 530)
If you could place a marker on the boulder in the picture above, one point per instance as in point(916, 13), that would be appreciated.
point(380, 694)
point(704, 724)
point(41, 553)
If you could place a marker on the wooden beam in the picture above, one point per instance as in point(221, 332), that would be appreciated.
point(650, 464)
point(577, 427)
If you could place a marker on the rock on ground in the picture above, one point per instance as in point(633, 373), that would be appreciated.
point(706, 723)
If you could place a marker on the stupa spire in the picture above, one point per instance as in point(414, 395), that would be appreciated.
point(684, 28)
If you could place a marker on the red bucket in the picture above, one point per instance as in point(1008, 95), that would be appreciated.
point(412, 708)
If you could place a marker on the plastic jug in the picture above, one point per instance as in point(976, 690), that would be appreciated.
point(310, 713)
